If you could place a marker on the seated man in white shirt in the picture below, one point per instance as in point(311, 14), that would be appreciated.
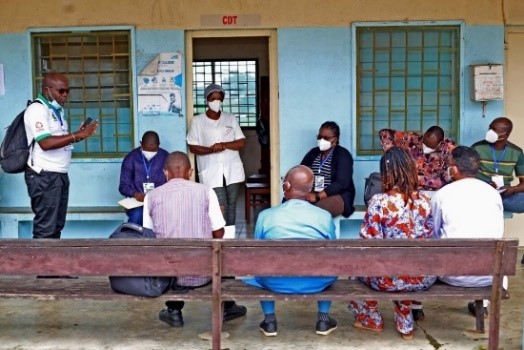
point(467, 208)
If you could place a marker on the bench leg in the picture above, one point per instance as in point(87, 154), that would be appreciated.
point(9, 228)
point(479, 312)
point(217, 313)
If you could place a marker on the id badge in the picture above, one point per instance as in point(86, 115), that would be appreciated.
point(148, 186)
point(498, 180)
point(319, 183)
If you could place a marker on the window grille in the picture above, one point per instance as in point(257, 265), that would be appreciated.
point(407, 79)
point(97, 65)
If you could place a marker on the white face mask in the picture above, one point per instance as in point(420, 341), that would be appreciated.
point(491, 136)
point(149, 155)
point(427, 150)
point(215, 105)
point(324, 145)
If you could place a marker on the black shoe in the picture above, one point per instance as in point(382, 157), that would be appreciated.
point(326, 327)
point(418, 314)
point(234, 311)
point(171, 317)
point(473, 310)
point(522, 261)
point(269, 329)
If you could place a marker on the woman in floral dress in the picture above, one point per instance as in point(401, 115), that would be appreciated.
point(400, 212)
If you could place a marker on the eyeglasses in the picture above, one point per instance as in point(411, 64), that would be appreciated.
point(60, 91)
point(325, 137)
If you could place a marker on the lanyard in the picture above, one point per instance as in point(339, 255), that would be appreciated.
point(148, 169)
point(322, 162)
point(496, 161)
point(57, 113)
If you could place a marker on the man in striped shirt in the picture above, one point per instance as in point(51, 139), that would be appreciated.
point(499, 160)
point(185, 209)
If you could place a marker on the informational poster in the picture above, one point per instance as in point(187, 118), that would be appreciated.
point(160, 86)
point(2, 81)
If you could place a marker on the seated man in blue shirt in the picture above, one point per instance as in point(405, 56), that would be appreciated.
point(296, 218)
point(142, 170)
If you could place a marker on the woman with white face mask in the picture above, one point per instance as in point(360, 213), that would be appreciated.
point(216, 139)
point(332, 165)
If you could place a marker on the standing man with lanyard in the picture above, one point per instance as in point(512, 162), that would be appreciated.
point(499, 159)
point(46, 174)
point(142, 171)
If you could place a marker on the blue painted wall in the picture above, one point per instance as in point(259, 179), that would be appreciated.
point(315, 84)
point(93, 182)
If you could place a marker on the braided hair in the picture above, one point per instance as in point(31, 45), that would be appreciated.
point(399, 173)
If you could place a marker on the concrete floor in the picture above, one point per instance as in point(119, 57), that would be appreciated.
point(57, 325)
point(29, 324)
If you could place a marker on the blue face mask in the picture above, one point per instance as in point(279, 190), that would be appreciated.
point(55, 104)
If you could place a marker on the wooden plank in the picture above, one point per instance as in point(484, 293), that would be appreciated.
point(104, 257)
point(362, 260)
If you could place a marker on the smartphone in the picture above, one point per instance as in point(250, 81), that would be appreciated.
point(86, 122)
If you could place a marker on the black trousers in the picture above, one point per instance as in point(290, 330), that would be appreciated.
point(49, 193)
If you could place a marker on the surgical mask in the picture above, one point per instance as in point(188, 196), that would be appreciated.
point(149, 155)
point(491, 136)
point(427, 150)
point(215, 105)
point(324, 145)
point(55, 104)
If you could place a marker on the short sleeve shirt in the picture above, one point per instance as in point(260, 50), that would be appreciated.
point(41, 122)
point(508, 161)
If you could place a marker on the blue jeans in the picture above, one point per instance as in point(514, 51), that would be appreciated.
point(135, 215)
point(514, 203)
point(268, 306)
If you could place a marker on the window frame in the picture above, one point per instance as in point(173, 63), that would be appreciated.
point(197, 102)
point(459, 95)
point(102, 156)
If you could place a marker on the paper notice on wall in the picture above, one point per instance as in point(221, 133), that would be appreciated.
point(159, 86)
point(2, 84)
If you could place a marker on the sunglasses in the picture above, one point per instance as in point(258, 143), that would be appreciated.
point(61, 91)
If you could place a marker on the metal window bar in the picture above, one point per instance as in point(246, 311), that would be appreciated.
point(428, 71)
point(239, 78)
point(97, 65)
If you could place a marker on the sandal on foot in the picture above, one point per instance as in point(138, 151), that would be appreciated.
point(408, 336)
point(358, 324)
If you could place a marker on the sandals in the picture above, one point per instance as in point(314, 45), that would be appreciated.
point(408, 336)
point(358, 324)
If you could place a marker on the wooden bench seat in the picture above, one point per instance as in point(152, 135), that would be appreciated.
point(23, 259)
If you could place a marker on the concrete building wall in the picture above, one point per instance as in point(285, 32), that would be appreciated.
point(314, 62)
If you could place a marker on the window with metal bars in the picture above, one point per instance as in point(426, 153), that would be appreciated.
point(239, 78)
point(97, 65)
point(407, 79)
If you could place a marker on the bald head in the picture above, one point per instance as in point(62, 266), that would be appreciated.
point(177, 166)
point(433, 136)
point(298, 182)
point(501, 125)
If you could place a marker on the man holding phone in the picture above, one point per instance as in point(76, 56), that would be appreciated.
point(46, 173)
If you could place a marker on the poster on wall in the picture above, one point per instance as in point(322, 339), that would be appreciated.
point(160, 86)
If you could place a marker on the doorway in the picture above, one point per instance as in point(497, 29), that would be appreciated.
point(245, 45)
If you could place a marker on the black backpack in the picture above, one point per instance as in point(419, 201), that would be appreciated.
point(14, 150)
point(140, 286)
point(372, 186)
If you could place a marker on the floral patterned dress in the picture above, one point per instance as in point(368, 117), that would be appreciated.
point(431, 168)
point(389, 217)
